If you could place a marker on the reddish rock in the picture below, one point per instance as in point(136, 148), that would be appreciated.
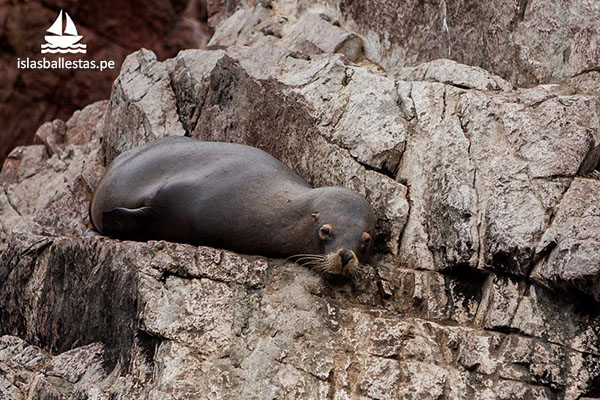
point(22, 163)
point(51, 134)
point(110, 29)
point(11, 167)
point(219, 10)
point(82, 127)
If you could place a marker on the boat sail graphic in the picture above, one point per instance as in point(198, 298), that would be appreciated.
point(64, 40)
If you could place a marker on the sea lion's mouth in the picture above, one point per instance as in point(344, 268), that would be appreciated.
point(341, 262)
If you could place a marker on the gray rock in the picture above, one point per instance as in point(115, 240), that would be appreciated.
point(526, 43)
point(51, 184)
point(19, 362)
point(455, 74)
point(480, 164)
point(569, 251)
point(209, 323)
point(141, 107)
point(304, 35)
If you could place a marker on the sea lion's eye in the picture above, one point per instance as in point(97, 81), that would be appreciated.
point(366, 240)
point(325, 232)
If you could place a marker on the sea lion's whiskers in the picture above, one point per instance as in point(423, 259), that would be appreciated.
point(321, 267)
point(313, 262)
point(318, 262)
point(327, 263)
point(355, 272)
point(306, 254)
point(306, 259)
point(319, 257)
point(301, 256)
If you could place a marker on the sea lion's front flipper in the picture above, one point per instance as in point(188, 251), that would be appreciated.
point(127, 223)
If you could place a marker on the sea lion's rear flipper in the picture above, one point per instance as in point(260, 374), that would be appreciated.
point(127, 223)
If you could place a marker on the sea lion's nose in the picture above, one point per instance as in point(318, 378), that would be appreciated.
point(346, 256)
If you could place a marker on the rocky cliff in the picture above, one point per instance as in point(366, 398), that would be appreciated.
point(487, 279)
point(110, 28)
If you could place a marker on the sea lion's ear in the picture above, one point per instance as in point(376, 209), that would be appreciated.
point(315, 216)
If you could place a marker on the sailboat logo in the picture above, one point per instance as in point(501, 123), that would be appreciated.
point(63, 41)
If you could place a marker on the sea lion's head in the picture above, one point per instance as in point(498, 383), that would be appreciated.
point(343, 229)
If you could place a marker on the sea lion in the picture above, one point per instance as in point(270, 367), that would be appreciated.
point(234, 197)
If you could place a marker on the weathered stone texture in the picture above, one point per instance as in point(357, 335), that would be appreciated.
point(569, 249)
point(525, 42)
point(199, 321)
point(485, 284)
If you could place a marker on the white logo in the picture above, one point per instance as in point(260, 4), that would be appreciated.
point(65, 40)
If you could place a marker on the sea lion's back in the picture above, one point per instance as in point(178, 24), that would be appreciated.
point(135, 176)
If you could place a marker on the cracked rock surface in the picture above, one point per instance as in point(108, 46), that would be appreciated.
point(487, 278)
